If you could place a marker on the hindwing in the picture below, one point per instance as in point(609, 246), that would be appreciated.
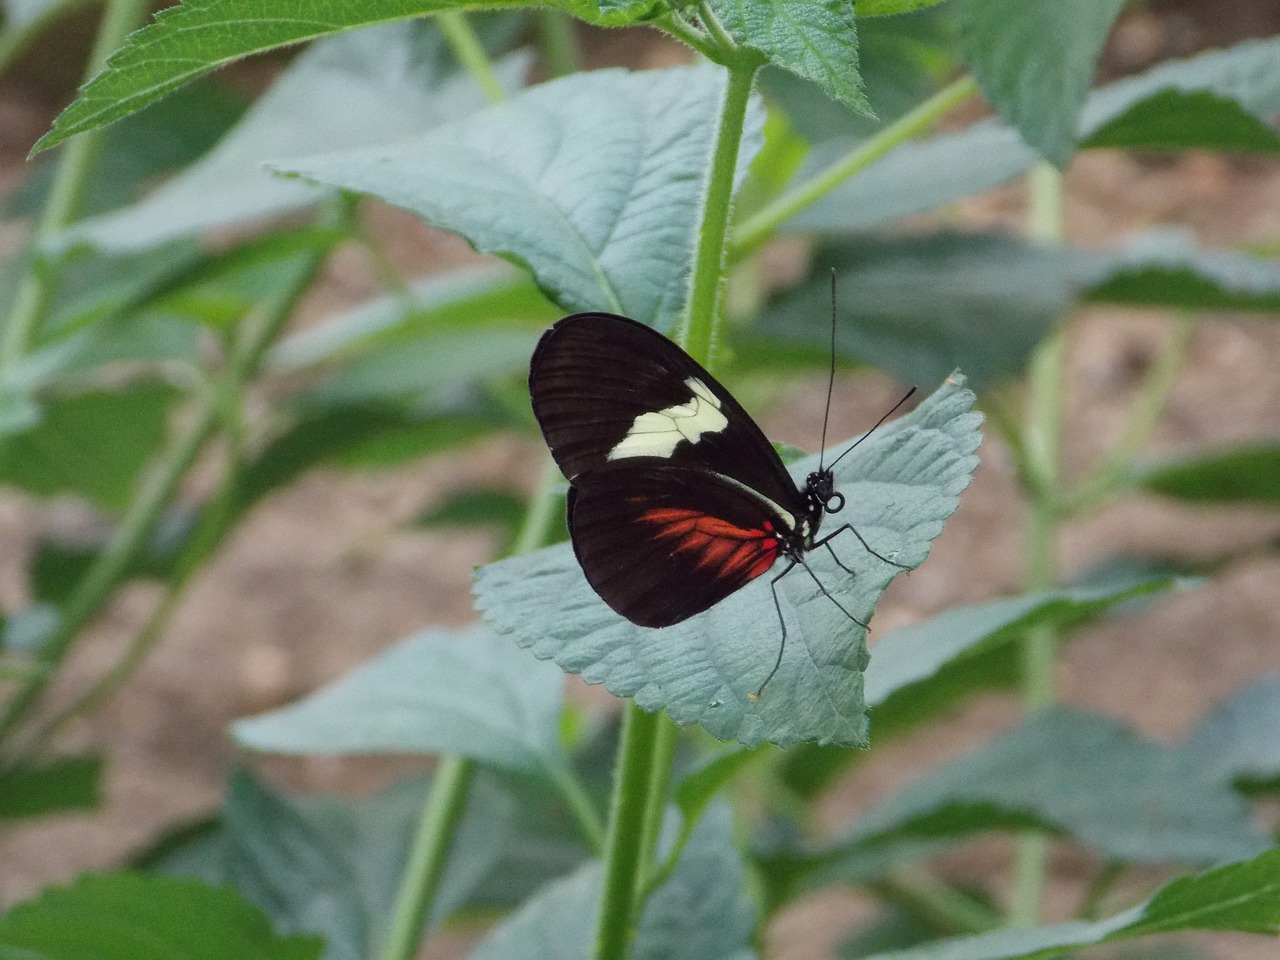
point(607, 389)
point(660, 541)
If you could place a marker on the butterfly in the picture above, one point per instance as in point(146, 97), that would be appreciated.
point(676, 497)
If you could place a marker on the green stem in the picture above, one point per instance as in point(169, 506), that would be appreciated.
point(1042, 444)
point(943, 906)
point(66, 193)
point(157, 489)
point(690, 35)
point(467, 48)
point(1110, 474)
point(697, 336)
point(446, 802)
point(759, 228)
point(664, 752)
point(561, 50)
point(624, 843)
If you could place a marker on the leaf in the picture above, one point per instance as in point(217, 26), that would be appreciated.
point(436, 692)
point(901, 485)
point(479, 507)
point(814, 39)
point(333, 866)
point(67, 783)
point(925, 305)
point(1245, 474)
point(126, 916)
point(1035, 61)
point(592, 182)
point(921, 176)
point(92, 445)
point(700, 913)
point(1058, 770)
point(358, 89)
point(1165, 268)
point(1238, 740)
point(918, 671)
point(1238, 896)
point(884, 8)
point(198, 36)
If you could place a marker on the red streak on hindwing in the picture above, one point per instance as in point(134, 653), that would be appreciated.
point(722, 549)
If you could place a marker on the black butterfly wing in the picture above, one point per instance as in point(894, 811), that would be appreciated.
point(660, 542)
point(607, 389)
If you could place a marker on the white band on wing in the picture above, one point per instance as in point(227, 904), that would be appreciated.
point(657, 434)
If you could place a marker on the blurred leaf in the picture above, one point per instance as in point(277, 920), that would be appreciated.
point(431, 363)
point(1218, 100)
point(189, 40)
point(814, 39)
point(125, 916)
point(93, 445)
point(1246, 474)
point(1239, 896)
point(882, 8)
point(436, 692)
point(22, 13)
point(700, 913)
point(1240, 740)
point(461, 299)
point(927, 305)
point(1035, 61)
point(606, 227)
point(893, 929)
point(1166, 268)
point(921, 176)
point(67, 783)
point(901, 486)
point(169, 134)
point(1058, 770)
point(333, 866)
point(479, 507)
point(366, 87)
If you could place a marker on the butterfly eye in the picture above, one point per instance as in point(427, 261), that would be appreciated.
point(834, 503)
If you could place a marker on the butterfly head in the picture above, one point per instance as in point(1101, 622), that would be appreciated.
point(821, 493)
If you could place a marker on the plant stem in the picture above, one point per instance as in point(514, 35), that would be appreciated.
point(688, 34)
point(561, 51)
point(158, 487)
point(1043, 441)
point(760, 228)
point(66, 193)
point(470, 53)
point(942, 905)
point(698, 333)
point(664, 751)
point(623, 852)
point(446, 802)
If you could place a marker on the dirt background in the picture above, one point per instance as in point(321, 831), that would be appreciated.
point(327, 573)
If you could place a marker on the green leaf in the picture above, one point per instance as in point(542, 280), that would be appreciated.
point(1239, 896)
point(921, 176)
point(92, 445)
point(592, 182)
point(901, 485)
point(1058, 771)
point(436, 692)
point(884, 8)
point(333, 867)
point(1035, 61)
point(700, 913)
point(1218, 100)
point(814, 39)
point(354, 90)
point(479, 507)
point(125, 916)
point(925, 305)
point(1240, 740)
point(67, 783)
point(918, 671)
point(189, 40)
point(1245, 474)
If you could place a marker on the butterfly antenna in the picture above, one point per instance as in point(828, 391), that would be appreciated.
point(877, 424)
point(831, 379)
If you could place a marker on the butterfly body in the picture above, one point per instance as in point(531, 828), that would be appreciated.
point(676, 498)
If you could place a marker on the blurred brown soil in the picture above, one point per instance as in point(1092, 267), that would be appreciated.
point(327, 573)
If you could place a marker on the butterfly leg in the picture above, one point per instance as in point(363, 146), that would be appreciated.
point(826, 542)
point(831, 598)
point(782, 644)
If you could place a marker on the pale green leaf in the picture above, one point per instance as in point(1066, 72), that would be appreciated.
point(901, 484)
